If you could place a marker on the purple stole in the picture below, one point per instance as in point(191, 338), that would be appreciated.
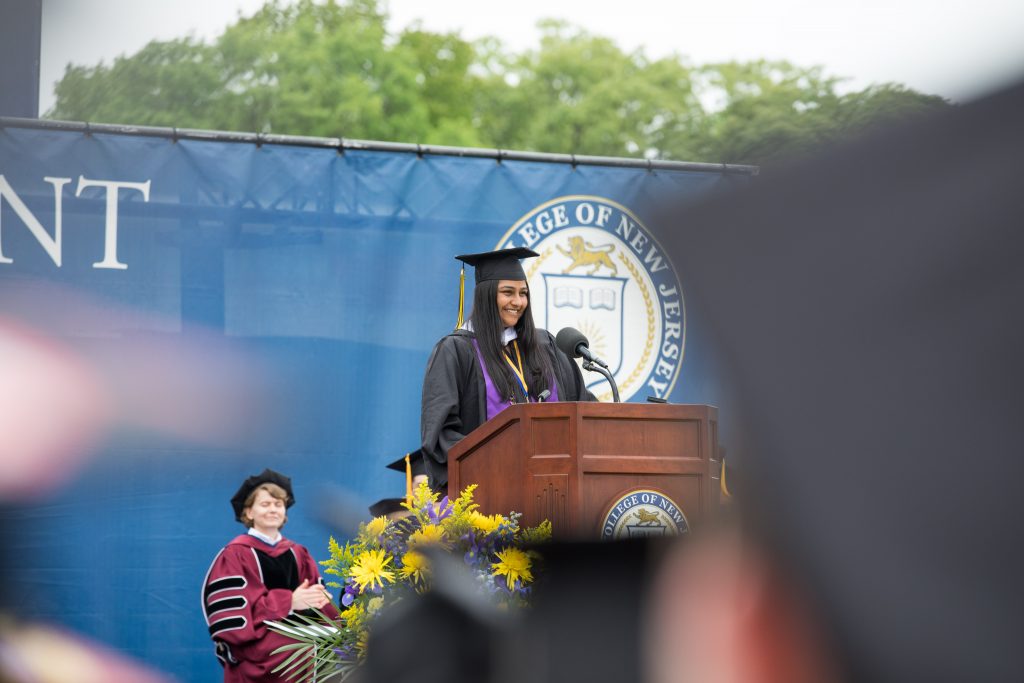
point(496, 403)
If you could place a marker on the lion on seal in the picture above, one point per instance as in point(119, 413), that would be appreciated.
point(646, 517)
point(585, 254)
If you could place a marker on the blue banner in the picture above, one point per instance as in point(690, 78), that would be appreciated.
point(201, 309)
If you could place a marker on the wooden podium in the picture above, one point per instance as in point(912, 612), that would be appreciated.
point(571, 462)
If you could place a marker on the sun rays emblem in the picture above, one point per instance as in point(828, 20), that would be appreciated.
point(601, 272)
point(595, 335)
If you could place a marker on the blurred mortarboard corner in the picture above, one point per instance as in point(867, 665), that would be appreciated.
point(868, 305)
point(387, 506)
point(588, 596)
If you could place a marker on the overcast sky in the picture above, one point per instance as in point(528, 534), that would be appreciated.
point(953, 48)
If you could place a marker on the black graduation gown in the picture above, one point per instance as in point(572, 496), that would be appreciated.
point(455, 396)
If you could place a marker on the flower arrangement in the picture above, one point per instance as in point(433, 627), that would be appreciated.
point(385, 562)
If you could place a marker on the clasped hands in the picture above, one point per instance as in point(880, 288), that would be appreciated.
point(306, 596)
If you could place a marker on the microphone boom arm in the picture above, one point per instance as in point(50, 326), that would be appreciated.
point(594, 367)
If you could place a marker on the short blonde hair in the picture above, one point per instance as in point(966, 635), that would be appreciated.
point(271, 488)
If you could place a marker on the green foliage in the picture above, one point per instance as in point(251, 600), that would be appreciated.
point(771, 110)
point(334, 70)
point(579, 93)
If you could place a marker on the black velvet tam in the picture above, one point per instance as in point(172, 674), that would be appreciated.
point(250, 484)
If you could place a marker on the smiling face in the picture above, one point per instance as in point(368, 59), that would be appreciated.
point(267, 513)
point(513, 298)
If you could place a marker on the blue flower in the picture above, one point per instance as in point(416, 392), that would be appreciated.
point(439, 511)
point(348, 596)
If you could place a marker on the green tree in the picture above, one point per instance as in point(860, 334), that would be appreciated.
point(444, 85)
point(333, 70)
point(765, 111)
point(580, 93)
point(164, 84)
point(321, 70)
point(303, 68)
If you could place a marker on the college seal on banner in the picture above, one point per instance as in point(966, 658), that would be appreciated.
point(643, 512)
point(601, 272)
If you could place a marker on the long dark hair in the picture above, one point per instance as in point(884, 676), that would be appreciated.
point(488, 328)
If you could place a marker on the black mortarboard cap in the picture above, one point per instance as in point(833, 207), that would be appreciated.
point(416, 465)
point(387, 506)
point(412, 465)
point(247, 487)
point(498, 265)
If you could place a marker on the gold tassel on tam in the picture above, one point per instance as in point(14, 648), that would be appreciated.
point(462, 297)
point(408, 477)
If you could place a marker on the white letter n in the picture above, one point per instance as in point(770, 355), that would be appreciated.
point(50, 244)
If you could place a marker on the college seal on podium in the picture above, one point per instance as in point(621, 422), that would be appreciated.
point(643, 512)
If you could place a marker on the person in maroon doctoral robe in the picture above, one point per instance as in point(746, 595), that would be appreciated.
point(259, 576)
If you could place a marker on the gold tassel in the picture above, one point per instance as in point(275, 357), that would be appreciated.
point(408, 480)
point(723, 487)
point(462, 296)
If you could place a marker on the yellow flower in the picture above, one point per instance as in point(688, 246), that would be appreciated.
point(423, 497)
point(354, 617)
point(370, 569)
point(361, 641)
point(429, 534)
point(374, 605)
point(375, 527)
point(514, 565)
point(538, 534)
point(484, 523)
point(415, 567)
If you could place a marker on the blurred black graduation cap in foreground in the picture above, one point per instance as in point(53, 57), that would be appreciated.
point(870, 307)
point(587, 595)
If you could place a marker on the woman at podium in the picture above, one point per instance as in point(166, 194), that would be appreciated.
point(494, 359)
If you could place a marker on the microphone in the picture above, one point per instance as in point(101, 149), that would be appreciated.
point(543, 396)
point(572, 343)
